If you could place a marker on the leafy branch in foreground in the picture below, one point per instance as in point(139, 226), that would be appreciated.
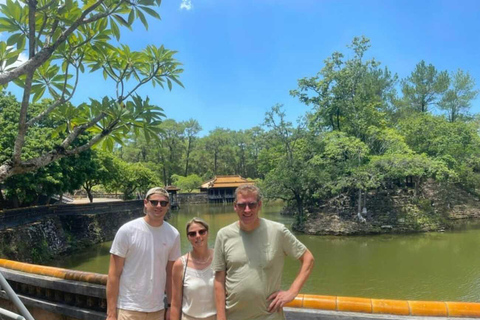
point(63, 39)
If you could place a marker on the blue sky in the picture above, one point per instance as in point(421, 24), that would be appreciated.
point(243, 56)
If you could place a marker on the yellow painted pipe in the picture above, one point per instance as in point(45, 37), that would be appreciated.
point(383, 306)
point(61, 273)
point(308, 301)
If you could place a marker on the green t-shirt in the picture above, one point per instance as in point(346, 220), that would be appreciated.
point(253, 262)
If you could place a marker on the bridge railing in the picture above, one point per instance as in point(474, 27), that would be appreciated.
point(81, 295)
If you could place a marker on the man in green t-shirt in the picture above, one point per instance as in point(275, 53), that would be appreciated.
point(248, 263)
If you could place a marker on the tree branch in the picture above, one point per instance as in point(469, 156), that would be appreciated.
point(142, 82)
point(37, 60)
point(46, 112)
point(22, 126)
point(80, 129)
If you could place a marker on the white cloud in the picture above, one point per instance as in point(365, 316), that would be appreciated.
point(186, 4)
point(21, 59)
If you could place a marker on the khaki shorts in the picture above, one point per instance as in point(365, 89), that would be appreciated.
point(185, 317)
point(138, 315)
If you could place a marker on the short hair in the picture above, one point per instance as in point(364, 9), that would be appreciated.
point(248, 188)
point(157, 190)
point(196, 220)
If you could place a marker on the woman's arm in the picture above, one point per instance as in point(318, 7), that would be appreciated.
point(177, 275)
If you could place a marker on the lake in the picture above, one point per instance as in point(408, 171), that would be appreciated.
point(429, 266)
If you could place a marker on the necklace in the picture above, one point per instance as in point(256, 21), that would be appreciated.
point(201, 261)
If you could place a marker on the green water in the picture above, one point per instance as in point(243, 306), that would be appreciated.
point(433, 266)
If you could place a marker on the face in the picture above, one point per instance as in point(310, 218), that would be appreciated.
point(155, 213)
point(247, 208)
point(197, 235)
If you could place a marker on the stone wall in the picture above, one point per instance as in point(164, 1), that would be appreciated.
point(192, 198)
point(71, 228)
point(432, 207)
point(83, 194)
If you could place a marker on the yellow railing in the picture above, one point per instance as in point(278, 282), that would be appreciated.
point(332, 303)
point(384, 306)
point(61, 273)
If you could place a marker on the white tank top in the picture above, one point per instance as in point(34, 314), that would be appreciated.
point(198, 293)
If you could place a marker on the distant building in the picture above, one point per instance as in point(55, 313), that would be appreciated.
point(222, 188)
point(172, 191)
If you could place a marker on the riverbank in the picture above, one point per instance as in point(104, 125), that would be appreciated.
point(432, 207)
point(40, 234)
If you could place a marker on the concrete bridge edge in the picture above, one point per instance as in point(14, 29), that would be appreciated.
point(311, 314)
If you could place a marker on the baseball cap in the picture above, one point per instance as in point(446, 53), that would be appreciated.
point(157, 190)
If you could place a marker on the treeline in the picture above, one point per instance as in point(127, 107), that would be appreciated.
point(367, 129)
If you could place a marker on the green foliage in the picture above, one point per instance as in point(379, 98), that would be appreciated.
point(359, 136)
point(188, 183)
point(98, 170)
point(130, 178)
point(56, 178)
point(457, 99)
point(348, 95)
point(424, 87)
point(66, 39)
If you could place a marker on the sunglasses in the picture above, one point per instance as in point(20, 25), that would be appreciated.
point(156, 202)
point(192, 234)
point(251, 205)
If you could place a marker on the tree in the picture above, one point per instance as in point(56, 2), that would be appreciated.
point(457, 99)
point(172, 144)
point(192, 128)
point(214, 142)
point(292, 177)
point(424, 87)
point(53, 179)
point(130, 178)
point(456, 144)
point(348, 95)
point(393, 167)
point(188, 183)
point(64, 39)
point(255, 143)
point(99, 170)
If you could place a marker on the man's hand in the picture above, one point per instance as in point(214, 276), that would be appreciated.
point(167, 314)
point(111, 317)
point(279, 299)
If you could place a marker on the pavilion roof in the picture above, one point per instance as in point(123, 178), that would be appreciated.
point(232, 181)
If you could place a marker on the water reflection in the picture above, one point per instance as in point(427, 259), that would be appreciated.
point(433, 266)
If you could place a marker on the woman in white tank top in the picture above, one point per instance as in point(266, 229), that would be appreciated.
point(192, 291)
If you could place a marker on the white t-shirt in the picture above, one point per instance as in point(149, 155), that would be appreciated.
point(146, 250)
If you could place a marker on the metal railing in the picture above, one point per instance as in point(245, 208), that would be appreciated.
point(25, 314)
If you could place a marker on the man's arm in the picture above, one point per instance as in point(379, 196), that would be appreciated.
point(219, 285)
point(177, 275)
point(113, 283)
point(280, 298)
point(169, 287)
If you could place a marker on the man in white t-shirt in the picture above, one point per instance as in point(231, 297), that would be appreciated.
point(141, 261)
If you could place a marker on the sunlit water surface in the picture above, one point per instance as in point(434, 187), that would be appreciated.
point(431, 266)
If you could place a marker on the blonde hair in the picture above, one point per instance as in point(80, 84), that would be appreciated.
point(196, 220)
